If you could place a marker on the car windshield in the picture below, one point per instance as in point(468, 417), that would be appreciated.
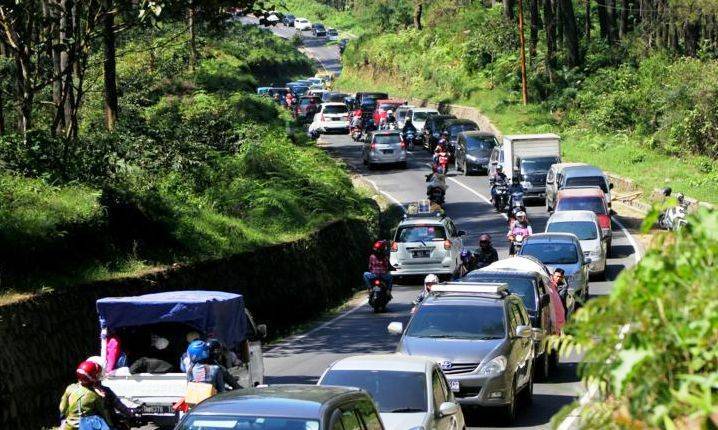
point(480, 321)
point(593, 204)
point(333, 32)
point(532, 165)
point(458, 128)
point(421, 116)
point(420, 233)
point(387, 139)
point(335, 109)
point(386, 107)
point(522, 287)
point(319, 27)
point(584, 230)
point(220, 422)
point(587, 181)
point(475, 143)
point(393, 391)
point(552, 253)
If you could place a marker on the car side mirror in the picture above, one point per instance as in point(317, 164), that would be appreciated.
point(610, 186)
point(461, 233)
point(395, 327)
point(524, 332)
point(448, 408)
point(262, 331)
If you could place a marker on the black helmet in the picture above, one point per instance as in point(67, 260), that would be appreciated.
point(515, 180)
point(485, 238)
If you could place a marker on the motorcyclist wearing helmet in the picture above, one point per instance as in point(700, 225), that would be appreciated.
point(118, 411)
point(217, 356)
point(379, 265)
point(429, 282)
point(201, 369)
point(498, 179)
point(408, 126)
point(468, 263)
point(486, 254)
point(390, 118)
point(83, 399)
point(519, 227)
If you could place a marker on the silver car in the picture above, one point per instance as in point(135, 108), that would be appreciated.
point(426, 244)
point(384, 147)
point(584, 224)
point(561, 250)
point(481, 336)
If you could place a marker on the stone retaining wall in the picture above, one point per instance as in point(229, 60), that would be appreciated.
point(45, 337)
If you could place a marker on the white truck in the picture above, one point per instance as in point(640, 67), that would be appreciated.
point(213, 314)
point(529, 156)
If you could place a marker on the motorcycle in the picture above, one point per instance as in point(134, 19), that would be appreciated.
point(410, 139)
point(436, 190)
point(674, 218)
point(356, 134)
point(517, 241)
point(501, 196)
point(378, 295)
point(516, 204)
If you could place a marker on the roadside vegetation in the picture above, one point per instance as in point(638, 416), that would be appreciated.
point(640, 104)
point(196, 167)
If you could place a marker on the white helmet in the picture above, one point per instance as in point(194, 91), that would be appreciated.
point(520, 214)
point(431, 279)
point(390, 112)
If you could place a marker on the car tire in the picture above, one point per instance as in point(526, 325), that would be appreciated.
point(554, 360)
point(402, 165)
point(527, 393)
point(509, 411)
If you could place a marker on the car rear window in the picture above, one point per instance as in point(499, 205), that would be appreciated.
point(387, 139)
point(588, 181)
point(420, 233)
point(552, 253)
point(475, 143)
point(393, 391)
point(522, 287)
point(584, 230)
point(421, 116)
point(219, 422)
point(458, 128)
point(335, 109)
point(458, 322)
point(593, 204)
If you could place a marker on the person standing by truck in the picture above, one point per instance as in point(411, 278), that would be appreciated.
point(82, 399)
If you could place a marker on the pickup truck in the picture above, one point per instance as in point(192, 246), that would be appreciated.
point(131, 320)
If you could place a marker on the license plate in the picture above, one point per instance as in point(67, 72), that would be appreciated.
point(420, 254)
point(156, 409)
point(454, 386)
point(387, 151)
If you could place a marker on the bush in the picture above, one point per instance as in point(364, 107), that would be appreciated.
point(651, 345)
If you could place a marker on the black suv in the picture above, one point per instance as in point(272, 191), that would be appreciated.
point(318, 30)
point(473, 151)
point(432, 129)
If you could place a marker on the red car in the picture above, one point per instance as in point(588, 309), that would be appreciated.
point(306, 107)
point(382, 106)
point(587, 199)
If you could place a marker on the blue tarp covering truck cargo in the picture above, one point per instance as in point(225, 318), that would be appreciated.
point(214, 313)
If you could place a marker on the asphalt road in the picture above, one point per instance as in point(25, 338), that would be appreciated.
point(303, 359)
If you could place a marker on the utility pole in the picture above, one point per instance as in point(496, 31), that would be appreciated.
point(524, 87)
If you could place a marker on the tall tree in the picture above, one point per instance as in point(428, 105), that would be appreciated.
point(418, 11)
point(570, 33)
point(109, 65)
point(509, 9)
point(623, 23)
point(550, 24)
point(587, 23)
point(535, 22)
point(604, 20)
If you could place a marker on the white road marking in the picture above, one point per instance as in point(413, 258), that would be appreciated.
point(387, 195)
point(637, 248)
point(569, 422)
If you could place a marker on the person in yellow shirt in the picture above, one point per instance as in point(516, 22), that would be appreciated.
point(82, 399)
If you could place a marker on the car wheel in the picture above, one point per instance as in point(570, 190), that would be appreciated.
point(542, 366)
point(370, 165)
point(402, 165)
point(609, 248)
point(527, 394)
point(554, 360)
point(509, 412)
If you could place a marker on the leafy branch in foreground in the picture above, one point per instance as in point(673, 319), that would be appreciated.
point(651, 346)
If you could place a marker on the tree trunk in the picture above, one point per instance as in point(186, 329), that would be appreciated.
point(623, 27)
point(570, 32)
point(559, 22)
point(191, 23)
point(66, 61)
point(522, 41)
point(692, 36)
point(612, 18)
point(534, 32)
point(3, 54)
point(588, 23)
point(509, 9)
point(604, 20)
point(550, 24)
point(109, 66)
point(418, 10)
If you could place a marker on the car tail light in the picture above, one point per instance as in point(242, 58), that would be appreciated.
point(394, 247)
point(373, 146)
point(604, 221)
point(403, 145)
point(377, 282)
point(322, 118)
point(447, 244)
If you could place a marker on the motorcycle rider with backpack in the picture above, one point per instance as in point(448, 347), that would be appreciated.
point(468, 263)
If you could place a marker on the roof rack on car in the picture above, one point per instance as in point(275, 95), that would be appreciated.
point(423, 209)
point(493, 289)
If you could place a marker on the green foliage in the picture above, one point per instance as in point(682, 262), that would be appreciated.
point(651, 345)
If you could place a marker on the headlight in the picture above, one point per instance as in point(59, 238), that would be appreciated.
point(494, 367)
point(526, 184)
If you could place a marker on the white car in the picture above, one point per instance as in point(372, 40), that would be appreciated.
point(302, 24)
point(411, 392)
point(331, 118)
point(401, 113)
point(332, 34)
point(425, 243)
point(585, 226)
point(419, 116)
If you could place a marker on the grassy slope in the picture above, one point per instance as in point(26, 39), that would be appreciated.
point(211, 202)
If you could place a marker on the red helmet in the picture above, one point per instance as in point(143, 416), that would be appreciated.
point(88, 372)
point(378, 245)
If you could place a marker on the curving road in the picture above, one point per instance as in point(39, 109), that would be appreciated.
point(303, 359)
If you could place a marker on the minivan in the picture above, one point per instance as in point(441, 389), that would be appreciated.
point(575, 175)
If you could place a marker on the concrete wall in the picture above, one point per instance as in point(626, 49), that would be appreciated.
point(45, 337)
